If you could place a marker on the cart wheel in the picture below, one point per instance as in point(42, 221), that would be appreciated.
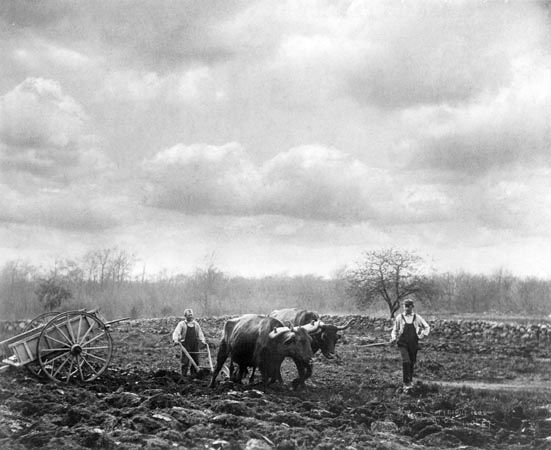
point(40, 320)
point(34, 366)
point(74, 345)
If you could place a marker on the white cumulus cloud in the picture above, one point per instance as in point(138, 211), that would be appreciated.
point(201, 178)
point(43, 133)
point(510, 127)
point(307, 182)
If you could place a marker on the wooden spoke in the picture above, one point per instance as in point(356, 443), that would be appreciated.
point(70, 328)
point(92, 368)
point(65, 346)
point(53, 349)
point(34, 367)
point(103, 347)
point(85, 354)
point(95, 338)
point(80, 362)
point(70, 370)
point(51, 359)
point(56, 371)
point(94, 356)
point(87, 332)
point(60, 331)
point(79, 325)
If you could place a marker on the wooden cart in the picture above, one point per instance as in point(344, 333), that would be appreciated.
point(72, 345)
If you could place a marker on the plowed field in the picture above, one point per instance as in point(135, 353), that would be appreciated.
point(357, 402)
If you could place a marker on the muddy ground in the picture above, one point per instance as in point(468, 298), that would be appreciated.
point(141, 402)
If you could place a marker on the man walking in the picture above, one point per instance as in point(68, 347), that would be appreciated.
point(407, 330)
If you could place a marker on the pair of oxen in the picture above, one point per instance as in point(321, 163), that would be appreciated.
point(263, 342)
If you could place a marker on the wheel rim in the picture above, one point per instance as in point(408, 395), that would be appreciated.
point(74, 346)
point(34, 366)
point(40, 320)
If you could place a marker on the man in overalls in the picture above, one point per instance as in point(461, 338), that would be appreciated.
point(407, 330)
point(189, 333)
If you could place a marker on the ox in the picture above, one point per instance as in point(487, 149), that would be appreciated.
point(326, 336)
point(264, 342)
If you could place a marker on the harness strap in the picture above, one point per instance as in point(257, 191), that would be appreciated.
point(404, 317)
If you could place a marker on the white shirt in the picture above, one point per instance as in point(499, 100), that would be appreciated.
point(422, 328)
point(179, 333)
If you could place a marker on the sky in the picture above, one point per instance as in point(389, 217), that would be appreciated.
point(277, 137)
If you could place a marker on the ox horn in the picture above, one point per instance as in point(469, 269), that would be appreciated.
point(311, 327)
point(346, 325)
point(277, 331)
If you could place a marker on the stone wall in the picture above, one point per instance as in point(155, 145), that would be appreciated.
point(11, 328)
point(461, 329)
point(453, 330)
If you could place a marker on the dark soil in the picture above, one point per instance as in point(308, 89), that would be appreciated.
point(357, 402)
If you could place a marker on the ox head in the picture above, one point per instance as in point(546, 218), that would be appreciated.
point(327, 336)
point(295, 342)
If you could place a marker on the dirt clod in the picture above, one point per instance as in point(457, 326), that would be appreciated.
point(142, 402)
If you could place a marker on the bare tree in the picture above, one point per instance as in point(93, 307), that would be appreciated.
point(109, 265)
point(121, 264)
point(97, 262)
point(207, 284)
point(17, 280)
point(390, 275)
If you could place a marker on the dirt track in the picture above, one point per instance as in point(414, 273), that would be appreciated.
point(510, 387)
point(141, 403)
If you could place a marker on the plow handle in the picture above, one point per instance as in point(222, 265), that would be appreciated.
point(210, 359)
point(194, 364)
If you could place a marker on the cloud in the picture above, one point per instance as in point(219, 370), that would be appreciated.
point(384, 54)
point(511, 127)
point(410, 53)
point(37, 54)
point(517, 199)
point(201, 179)
point(42, 133)
point(308, 182)
point(51, 168)
point(140, 34)
point(37, 113)
point(187, 87)
point(315, 182)
point(70, 209)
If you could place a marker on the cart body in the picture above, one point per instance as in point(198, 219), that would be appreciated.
point(69, 345)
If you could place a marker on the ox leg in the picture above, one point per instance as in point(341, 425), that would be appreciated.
point(251, 378)
point(271, 372)
point(241, 372)
point(220, 360)
point(276, 377)
point(304, 372)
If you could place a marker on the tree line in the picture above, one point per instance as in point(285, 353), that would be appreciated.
point(377, 283)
